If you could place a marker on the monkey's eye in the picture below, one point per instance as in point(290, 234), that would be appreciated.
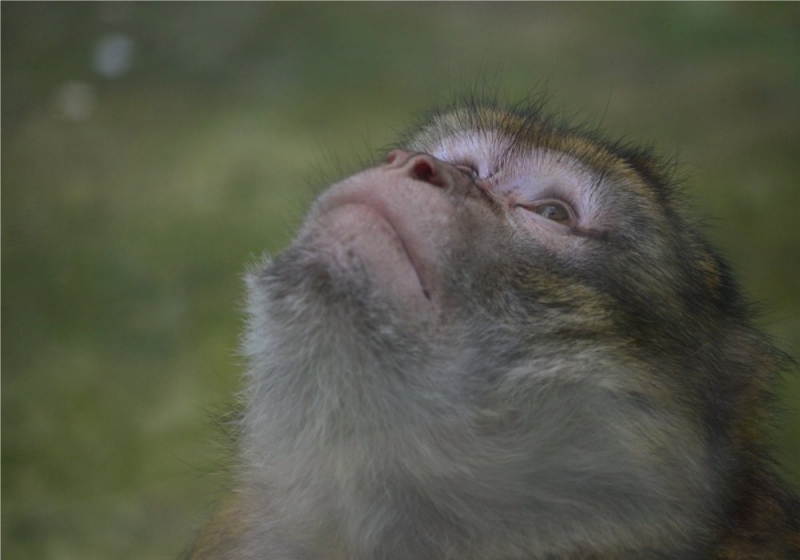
point(469, 170)
point(553, 210)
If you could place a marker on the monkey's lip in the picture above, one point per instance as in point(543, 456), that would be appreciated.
point(376, 206)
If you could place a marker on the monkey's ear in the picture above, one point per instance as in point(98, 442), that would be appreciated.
point(714, 272)
point(660, 174)
point(719, 281)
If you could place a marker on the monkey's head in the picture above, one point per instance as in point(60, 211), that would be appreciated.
point(508, 324)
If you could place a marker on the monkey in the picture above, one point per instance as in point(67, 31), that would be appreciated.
point(508, 340)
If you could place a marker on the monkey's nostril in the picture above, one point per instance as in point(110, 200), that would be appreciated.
point(393, 155)
point(423, 170)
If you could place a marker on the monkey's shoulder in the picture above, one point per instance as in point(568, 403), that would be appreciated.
point(763, 523)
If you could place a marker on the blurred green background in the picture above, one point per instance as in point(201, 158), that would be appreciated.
point(151, 150)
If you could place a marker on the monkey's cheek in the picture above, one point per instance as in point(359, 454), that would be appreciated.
point(362, 249)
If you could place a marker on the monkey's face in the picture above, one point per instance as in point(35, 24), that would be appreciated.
point(432, 237)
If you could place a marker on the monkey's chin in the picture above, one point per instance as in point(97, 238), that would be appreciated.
point(359, 244)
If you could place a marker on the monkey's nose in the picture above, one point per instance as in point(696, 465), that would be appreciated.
point(424, 167)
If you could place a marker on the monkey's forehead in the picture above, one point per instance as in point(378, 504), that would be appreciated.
point(528, 129)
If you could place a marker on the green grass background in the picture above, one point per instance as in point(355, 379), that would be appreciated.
point(125, 234)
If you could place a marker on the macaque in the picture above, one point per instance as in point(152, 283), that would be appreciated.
point(505, 341)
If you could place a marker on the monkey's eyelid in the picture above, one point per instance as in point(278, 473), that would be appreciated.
point(552, 209)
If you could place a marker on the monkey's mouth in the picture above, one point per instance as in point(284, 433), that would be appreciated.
point(416, 264)
point(380, 238)
point(373, 208)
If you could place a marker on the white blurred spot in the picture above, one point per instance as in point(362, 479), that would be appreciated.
point(113, 55)
point(75, 101)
